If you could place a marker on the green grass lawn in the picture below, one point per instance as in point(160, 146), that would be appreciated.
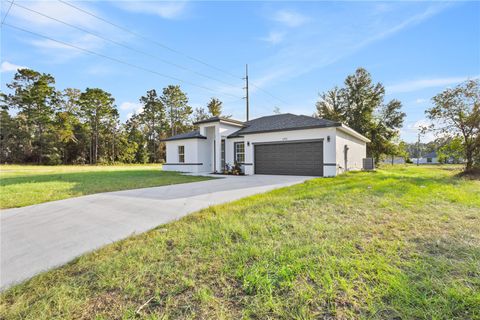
point(22, 185)
point(399, 243)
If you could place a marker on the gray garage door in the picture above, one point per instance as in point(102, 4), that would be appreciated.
point(299, 158)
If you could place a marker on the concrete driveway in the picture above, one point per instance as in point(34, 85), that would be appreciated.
point(40, 237)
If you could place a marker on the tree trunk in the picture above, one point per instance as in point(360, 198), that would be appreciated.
point(91, 148)
point(469, 154)
point(113, 147)
point(40, 143)
point(153, 140)
point(173, 121)
point(95, 150)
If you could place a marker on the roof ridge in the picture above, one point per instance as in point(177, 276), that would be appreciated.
point(272, 115)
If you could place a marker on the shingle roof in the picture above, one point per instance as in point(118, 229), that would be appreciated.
point(281, 122)
point(215, 119)
point(432, 154)
point(189, 135)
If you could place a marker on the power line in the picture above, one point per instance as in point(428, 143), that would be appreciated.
point(8, 10)
point(137, 50)
point(124, 45)
point(151, 40)
point(117, 60)
point(268, 93)
point(168, 48)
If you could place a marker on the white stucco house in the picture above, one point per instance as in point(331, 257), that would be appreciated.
point(429, 158)
point(278, 144)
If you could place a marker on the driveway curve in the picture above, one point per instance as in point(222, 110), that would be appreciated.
point(44, 236)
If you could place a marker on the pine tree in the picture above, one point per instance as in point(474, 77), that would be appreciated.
point(36, 99)
point(214, 107)
point(154, 117)
point(97, 108)
point(176, 104)
point(200, 114)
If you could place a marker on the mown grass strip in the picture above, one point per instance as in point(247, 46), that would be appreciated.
point(397, 243)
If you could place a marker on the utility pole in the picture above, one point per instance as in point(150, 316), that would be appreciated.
point(246, 89)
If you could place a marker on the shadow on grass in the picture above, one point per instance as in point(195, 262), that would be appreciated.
point(473, 174)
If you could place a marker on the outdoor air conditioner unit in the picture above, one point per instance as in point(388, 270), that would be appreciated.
point(368, 164)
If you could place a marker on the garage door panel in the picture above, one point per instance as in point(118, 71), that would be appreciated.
point(302, 158)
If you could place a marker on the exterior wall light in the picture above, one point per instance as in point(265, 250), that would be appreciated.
point(328, 138)
point(248, 143)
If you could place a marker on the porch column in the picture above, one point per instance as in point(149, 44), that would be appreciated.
point(218, 149)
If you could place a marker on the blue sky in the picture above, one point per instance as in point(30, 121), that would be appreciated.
point(294, 50)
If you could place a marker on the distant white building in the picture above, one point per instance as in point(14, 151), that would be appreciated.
point(429, 158)
point(395, 160)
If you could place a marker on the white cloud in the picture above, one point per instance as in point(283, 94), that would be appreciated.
point(415, 85)
point(341, 36)
point(417, 125)
point(100, 70)
point(10, 67)
point(131, 107)
point(53, 9)
point(413, 129)
point(57, 52)
point(167, 10)
point(420, 100)
point(274, 37)
point(87, 41)
point(290, 18)
point(409, 22)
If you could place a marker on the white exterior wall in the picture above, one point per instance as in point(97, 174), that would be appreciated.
point(193, 149)
point(357, 150)
point(215, 132)
point(201, 151)
point(292, 135)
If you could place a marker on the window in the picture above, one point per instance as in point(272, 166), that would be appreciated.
point(181, 154)
point(429, 160)
point(239, 152)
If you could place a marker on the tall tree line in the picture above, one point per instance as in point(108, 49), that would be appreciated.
point(41, 124)
point(360, 105)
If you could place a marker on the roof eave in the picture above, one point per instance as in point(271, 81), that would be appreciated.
point(354, 133)
point(222, 120)
point(186, 138)
point(233, 135)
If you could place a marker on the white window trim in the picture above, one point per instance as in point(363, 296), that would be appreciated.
point(236, 144)
point(181, 154)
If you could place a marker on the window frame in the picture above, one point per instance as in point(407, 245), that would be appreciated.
point(223, 153)
point(181, 155)
point(237, 153)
